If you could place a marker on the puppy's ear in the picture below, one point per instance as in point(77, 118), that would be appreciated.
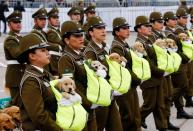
point(123, 59)
point(59, 85)
point(74, 85)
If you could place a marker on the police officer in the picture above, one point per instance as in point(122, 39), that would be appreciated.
point(152, 89)
point(40, 17)
point(89, 12)
point(38, 105)
point(108, 118)
point(170, 21)
point(180, 79)
point(74, 14)
point(54, 37)
point(129, 102)
point(14, 70)
point(71, 64)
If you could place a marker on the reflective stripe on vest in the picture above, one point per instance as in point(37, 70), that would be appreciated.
point(190, 35)
point(71, 117)
point(120, 77)
point(176, 60)
point(187, 49)
point(99, 90)
point(164, 60)
point(140, 67)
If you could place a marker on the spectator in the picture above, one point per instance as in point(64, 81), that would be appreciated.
point(19, 7)
point(3, 8)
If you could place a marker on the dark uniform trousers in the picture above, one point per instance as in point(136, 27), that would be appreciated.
point(190, 79)
point(108, 118)
point(129, 102)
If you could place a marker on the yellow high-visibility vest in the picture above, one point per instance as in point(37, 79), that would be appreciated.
point(187, 49)
point(176, 60)
point(99, 90)
point(120, 77)
point(140, 66)
point(72, 117)
point(164, 60)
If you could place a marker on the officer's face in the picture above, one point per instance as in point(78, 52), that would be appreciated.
point(123, 32)
point(75, 17)
point(158, 25)
point(171, 23)
point(15, 26)
point(75, 41)
point(54, 21)
point(41, 22)
point(144, 30)
point(183, 20)
point(40, 57)
point(98, 34)
point(90, 14)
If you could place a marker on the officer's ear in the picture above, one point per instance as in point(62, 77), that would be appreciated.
point(66, 40)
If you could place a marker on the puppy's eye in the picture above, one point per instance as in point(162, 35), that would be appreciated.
point(71, 83)
point(65, 84)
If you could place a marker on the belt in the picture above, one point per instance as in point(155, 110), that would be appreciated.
point(55, 53)
point(12, 62)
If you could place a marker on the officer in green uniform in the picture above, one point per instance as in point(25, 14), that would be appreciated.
point(74, 14)
point(180, 79)
point(128, 103)
point(54, 37)
point(14, 70)
point(170, 21)
point(152, 89)
point(71, 63)
point(89, 12)
point(108, 118)
point(38, 103)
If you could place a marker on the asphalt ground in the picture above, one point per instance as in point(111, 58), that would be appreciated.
point(185, 125)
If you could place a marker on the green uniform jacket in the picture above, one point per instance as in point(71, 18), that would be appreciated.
point(54, 37)
point(73, 62)
point(14, 72)
point(156, 73)
point(181, 29)
point(118, 46)
point(38, 101)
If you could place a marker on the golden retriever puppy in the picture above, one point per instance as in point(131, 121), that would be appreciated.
point(183, 36)
point(14, 112)
point(6, 122)
point(99, 68)
point(66, 86)
point(119, 59)
point(139, 49)
point(161, 43)
point(170, 43)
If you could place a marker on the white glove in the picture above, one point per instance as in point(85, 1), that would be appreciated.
point(166, 73)
point(94, 106)
point(116, 93)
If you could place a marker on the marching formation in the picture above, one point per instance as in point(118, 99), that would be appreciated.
point(66, 79)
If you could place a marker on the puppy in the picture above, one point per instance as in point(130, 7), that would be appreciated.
point(183, 37)
point(119, 59)
point(161, 43)
point(6, 122)
point(66, 86)
point(99, 68)
point(170, 43)
point(139, 49)
point(14, 112)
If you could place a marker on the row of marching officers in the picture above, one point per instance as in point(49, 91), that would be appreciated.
point(41, 66)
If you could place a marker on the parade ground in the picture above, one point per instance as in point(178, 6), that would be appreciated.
point(184, 124)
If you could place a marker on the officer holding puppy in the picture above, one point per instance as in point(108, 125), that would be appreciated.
point(38, 103)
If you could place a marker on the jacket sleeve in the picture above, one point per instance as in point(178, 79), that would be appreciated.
point(35, 107)
point(53, 37)
point(12, 46)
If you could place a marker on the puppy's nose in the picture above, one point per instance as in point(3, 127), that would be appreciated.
point(70, 89)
